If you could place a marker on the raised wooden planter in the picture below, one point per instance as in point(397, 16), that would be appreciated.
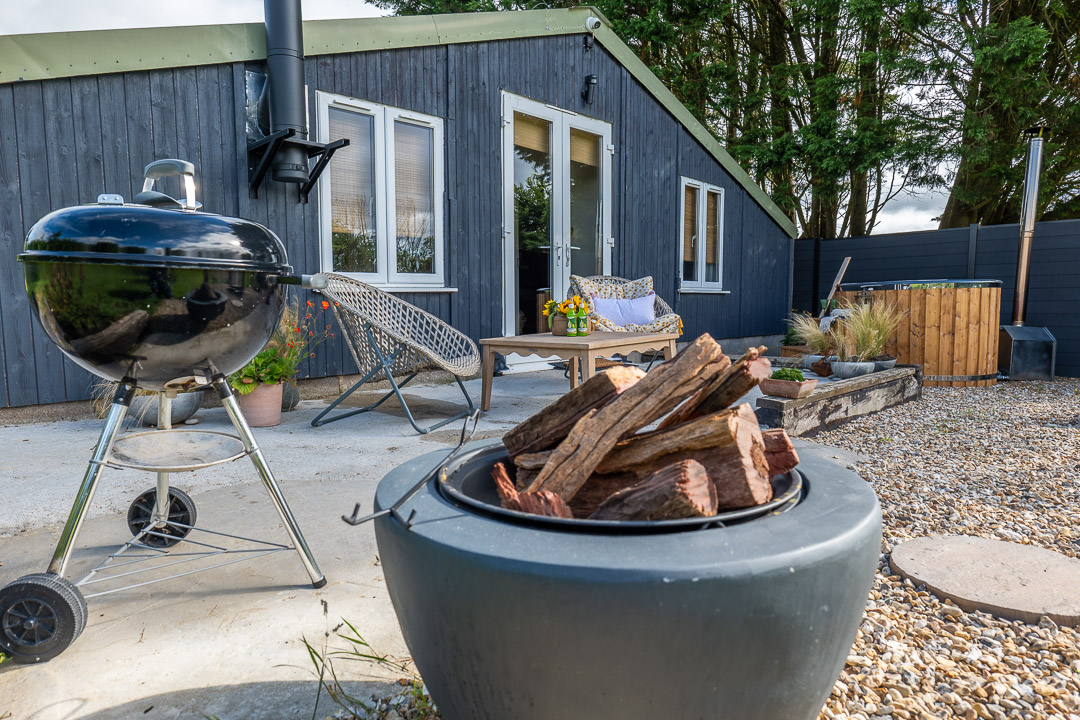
point(794, 350)
point(951, 331)
point(837, 402)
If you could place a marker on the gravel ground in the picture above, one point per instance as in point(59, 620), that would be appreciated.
point(1000, 462)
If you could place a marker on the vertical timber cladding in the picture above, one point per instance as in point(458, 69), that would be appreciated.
point(64, 141)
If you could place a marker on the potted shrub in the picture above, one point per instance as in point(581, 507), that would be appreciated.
point(849, 361)
point(259, 385)
point(789, 383)
point(871, 326)
point(791, 346)
point(807, 331)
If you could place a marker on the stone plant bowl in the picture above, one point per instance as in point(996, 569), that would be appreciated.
point(808, 360)
point(144, 408)
point(788, 388)
point(848, 370)
point(880, 365)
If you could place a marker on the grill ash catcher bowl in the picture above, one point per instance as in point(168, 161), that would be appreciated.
point(154, 295)
point(748, 615)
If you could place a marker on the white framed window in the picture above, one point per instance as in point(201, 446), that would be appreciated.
point(701, 237)
point(381, 198)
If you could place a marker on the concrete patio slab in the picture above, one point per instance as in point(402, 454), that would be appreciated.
point(1010, 580)
point(227, 643)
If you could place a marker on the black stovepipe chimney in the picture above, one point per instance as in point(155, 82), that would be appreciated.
point(285, 71)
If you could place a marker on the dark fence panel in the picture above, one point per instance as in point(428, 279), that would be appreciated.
point(977, 252)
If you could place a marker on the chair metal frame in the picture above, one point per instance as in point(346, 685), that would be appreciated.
point(371, 315)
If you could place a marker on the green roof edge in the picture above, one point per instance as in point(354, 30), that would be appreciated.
point(56, 55)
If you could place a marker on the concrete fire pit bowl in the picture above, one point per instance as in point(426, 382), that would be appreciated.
point(511, 619)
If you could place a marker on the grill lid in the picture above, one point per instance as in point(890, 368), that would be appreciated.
point(155, 231)
point(131, 234)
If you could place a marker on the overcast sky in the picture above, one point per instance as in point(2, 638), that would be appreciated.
point(35, 16)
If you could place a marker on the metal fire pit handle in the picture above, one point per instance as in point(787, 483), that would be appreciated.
point(168, 168)
point(466, 435)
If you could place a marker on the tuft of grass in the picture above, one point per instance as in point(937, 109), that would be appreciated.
point(413, 703)
point(807, 330)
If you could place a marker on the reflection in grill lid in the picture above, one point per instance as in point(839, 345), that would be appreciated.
point(142, 235)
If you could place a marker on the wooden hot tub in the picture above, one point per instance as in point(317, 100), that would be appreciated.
point(951, 326)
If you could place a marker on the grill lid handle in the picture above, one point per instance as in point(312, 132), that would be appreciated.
point(168, 168)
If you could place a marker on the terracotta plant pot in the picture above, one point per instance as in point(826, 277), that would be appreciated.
point(262, 407)
point(558, 325)
point(788, 388)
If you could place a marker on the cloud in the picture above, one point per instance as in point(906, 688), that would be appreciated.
point(42, 16)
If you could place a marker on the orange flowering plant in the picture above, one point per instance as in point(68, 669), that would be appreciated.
point(294, 340)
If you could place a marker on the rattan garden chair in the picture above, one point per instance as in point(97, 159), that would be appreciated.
point(664, 314)
point(666, 318)
point(388, 336)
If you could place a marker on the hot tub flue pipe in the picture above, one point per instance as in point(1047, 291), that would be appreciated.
point(1028, 210)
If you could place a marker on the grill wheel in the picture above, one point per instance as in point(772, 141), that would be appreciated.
point(181, 510)
point(40, 616)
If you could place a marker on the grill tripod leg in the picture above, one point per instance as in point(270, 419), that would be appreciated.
point(272, 489)
point(113, 421)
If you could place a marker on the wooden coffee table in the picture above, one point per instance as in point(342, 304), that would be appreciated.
point(574, 350)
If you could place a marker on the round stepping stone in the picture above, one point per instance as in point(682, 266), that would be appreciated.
point(1012, 581)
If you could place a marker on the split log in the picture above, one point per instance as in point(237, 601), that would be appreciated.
point(645, 448)
point(728, 444)
point(537, 503)
point(533, 461)
point(597, 489)
point(546, 428)
point(739, 379)
point(528, 467)
point(779, 452)
point(650, 398)
point(680, 490)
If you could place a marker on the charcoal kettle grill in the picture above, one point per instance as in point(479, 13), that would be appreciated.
point(151, 294)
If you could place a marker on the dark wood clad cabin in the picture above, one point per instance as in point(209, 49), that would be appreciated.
point(446, 116)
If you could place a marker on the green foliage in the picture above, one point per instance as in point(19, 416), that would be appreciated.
point(835, 107)
point(294, 341)
point(1002, 67)
point(532, 210)
point(808, 331)
point(790, 337)
point(793, 374)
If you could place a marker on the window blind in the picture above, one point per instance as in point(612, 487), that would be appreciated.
point(532, 133)
point(584, 148)
point(712, 256)
point(414, 188)
point(352, 187)
point(690, 215)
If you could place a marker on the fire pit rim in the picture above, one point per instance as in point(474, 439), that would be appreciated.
point(788, 490)
point(835, 498)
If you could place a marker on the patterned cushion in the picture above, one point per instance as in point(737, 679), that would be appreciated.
point(586, 288)
point(633, 289)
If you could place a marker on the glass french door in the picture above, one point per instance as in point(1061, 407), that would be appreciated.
point(556, 207)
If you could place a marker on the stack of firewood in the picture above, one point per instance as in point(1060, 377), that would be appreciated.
point(586, 456)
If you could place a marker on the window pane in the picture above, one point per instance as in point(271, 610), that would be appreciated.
point(712, 237)
point(414, 186)
point(352, 193)
point(586, 251)
point(532, 220)
point(690, 229)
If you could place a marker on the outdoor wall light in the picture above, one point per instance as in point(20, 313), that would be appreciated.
point(587, 91)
